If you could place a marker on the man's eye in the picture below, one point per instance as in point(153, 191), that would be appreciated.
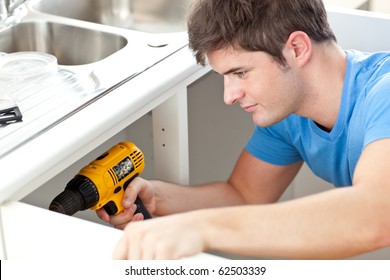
point(240, 74)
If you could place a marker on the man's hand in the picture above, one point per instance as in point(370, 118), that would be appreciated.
point(138, 187)
point(171, 237)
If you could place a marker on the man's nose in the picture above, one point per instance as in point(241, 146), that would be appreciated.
point(232, 93)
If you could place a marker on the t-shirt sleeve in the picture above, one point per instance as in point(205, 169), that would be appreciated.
point(377, 111)
point(269, 145)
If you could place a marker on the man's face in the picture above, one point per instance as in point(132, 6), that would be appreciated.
point(258, 83)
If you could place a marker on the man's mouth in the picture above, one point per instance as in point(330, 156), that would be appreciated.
point(249, 108)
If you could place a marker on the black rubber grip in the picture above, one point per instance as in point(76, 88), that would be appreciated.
point(111, 208)
point(142, 209)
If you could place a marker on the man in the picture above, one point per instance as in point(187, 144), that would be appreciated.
point(312, 102)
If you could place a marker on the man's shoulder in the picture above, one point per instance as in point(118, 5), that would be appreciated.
point(370, 60)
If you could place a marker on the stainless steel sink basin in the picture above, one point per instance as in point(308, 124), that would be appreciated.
point(154, 16)
point(70, 44)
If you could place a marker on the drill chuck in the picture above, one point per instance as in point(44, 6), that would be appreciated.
point(79, 194)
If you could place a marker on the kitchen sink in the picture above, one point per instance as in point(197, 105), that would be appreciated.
point(98, 47)
point(154, 16)
point(71, 45)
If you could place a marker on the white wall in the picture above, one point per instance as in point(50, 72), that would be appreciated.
point(355, 4)
point(382, 6)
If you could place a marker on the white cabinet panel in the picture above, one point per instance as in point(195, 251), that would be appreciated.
point(33, 233)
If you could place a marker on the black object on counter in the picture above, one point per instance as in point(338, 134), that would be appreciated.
point(10, 115)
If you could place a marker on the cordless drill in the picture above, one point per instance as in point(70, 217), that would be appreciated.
point(102, 183)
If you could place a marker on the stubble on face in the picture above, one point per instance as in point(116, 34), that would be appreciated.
point(269, 92)
point(280, 97)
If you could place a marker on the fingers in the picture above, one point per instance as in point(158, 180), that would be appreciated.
point(132, 191)
point(102, 214)
point(122, 219)
point(138, 187)
point(120, 252)
point(135, 244)
point(160, 239)
point(134, 218)
point(146, 247)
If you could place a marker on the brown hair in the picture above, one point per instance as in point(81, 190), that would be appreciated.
point(254, 25)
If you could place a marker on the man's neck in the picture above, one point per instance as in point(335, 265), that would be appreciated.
point(325, 81)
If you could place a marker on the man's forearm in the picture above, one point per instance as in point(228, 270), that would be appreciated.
point(173, 198)
point(330, 225)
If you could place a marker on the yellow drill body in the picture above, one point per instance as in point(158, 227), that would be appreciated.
point(102, 183)
point(112, 171)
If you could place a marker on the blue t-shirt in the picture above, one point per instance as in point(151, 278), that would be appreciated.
point(364, 117)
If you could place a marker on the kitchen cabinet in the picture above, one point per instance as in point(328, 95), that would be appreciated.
point(64, 238)
point(79, 139)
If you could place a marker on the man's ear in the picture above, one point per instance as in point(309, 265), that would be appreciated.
point(298, 48)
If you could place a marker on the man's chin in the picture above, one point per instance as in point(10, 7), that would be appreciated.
point(262, 122)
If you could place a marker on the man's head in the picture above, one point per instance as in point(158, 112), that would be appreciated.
point(254, 25)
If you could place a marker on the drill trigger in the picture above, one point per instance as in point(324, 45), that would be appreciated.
point(111, 208)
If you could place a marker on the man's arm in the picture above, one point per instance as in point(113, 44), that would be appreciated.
point(252, 182)
point(335, 224)
point(339, 223)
